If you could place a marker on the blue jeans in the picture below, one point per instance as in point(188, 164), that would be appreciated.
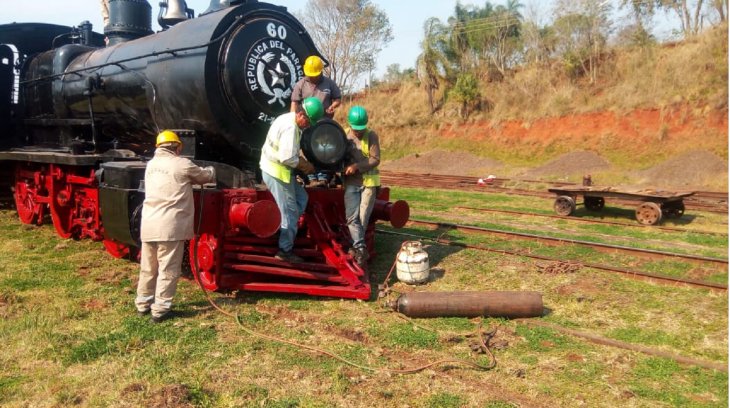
point(291, 198)
point(319, 176)
point(359, 203)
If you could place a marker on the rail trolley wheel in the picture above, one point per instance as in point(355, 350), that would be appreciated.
point(30, 208)
point(673, 209)
point(594, 203)
point(649, 213)
point(564, 205)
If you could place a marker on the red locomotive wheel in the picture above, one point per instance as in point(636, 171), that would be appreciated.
point(116, 249)
point(30, 210)
point(62, 209)
point(203, 253)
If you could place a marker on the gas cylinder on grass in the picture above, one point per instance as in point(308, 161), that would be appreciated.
point(509, 304)
point(412, 263)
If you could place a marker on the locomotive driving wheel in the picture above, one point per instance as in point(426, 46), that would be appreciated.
point(594, 203)
point(203, 251)
point(61, 203)
point(673, 209)
point(649, 213)
point(30, 207)
point(119, 250)
point(564, 205)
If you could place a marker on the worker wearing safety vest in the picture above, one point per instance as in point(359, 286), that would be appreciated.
point(279, 157)
point(362, 179)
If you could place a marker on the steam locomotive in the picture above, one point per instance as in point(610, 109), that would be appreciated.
point(79, 112)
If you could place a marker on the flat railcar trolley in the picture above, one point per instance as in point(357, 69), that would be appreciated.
point(653, 205)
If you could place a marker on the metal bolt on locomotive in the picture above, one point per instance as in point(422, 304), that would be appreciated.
point(79, 112)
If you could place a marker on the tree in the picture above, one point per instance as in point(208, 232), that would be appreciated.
point(466, 93)
point(537, 36)
point(692, 13)
point(394, 74)
point(350, 34)
point(721, 7)
point(433, 66)
point(500, 39)
point(489, 34)
point(582, 28)
point(639, 31)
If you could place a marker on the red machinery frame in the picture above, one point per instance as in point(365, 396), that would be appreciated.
point(233, 256)
point(237, 236)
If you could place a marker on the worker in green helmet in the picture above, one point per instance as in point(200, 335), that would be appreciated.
point(361, 181)
point(279, 157)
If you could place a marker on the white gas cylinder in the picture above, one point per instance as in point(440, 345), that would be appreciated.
point(412, 263)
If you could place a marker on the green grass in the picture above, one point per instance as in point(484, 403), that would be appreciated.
point(68, 320)
point(445, 400)
point(657, 379)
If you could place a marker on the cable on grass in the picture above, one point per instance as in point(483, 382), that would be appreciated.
point(318, 350)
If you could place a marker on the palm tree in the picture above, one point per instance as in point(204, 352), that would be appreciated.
point(432, 65)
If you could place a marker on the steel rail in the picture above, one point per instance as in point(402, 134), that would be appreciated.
point(711, 201)
point(571, 241)
point(623, 224)
point(664, 279)
point(469, 180)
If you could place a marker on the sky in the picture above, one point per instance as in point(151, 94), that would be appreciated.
point(406, 18)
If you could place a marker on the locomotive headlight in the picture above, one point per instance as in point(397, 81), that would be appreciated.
point(325, 144)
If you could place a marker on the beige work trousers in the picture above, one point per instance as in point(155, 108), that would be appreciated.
point(158, 275)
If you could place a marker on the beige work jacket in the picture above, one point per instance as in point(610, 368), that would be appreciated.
point(168, 211)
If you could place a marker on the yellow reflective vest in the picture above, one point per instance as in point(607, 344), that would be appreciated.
point(370, 178)
point(280, 153)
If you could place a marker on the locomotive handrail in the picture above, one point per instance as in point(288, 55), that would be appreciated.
point(152, 54)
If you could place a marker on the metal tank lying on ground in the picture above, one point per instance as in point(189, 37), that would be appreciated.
point(78, 119)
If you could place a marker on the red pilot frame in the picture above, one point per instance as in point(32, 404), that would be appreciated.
point(236, 243)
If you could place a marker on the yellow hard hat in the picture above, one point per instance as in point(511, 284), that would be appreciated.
point(167, 136)
point(313, 66)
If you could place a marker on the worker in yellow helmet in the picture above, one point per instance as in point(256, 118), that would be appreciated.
point(168, 211)
point(317, 85)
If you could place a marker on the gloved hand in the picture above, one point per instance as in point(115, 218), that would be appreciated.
point(305, 166)
point(211, 169)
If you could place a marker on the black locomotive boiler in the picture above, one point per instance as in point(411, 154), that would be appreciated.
point(79, 112)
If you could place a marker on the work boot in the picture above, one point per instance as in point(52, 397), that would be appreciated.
point(160, 319)
point(361, 256)
point(352, 252)
point(142, 313)
point(288, 257)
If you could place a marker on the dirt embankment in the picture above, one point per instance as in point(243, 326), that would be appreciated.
point(685, 148)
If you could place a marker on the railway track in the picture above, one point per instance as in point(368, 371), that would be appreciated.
point(594, 221)
point(711, 201)
point(646, 253)
point(632, 273)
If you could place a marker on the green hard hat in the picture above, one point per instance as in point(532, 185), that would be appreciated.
point(313, 108)
point(358, 118)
